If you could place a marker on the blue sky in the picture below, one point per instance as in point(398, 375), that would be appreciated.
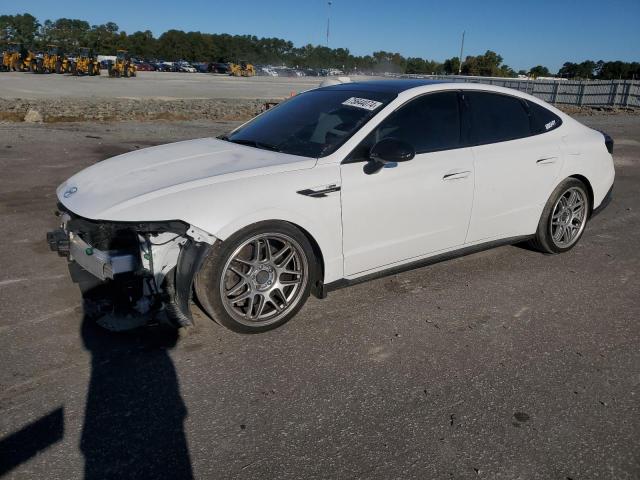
point(525, 33)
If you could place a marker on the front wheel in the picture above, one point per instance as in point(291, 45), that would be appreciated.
point(258, 278)
point(564, 218)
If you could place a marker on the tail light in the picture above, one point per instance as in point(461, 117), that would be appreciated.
point(608, 141)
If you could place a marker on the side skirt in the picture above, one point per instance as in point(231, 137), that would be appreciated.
point(345, 282)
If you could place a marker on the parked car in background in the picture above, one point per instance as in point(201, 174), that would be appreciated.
point(334, 186)
point(144, 67)
point(201, 67)
point(185, 67)
point(220, 67)
point(165, 67)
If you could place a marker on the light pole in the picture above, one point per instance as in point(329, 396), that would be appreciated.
point(328, 21)
point(461, 48)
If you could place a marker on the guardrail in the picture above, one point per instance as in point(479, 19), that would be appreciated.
point(583, 93)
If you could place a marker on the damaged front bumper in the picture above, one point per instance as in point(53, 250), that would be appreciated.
point(144, 268)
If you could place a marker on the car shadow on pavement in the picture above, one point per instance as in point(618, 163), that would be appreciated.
point(134, 417)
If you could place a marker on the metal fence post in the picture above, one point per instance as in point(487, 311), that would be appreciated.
point(628, 94)
point(614, 93)
point(581, 94)
point(556, 87)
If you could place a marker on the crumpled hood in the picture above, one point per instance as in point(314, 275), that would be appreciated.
point(122, 182)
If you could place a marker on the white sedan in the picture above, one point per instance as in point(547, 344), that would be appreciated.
point(335, 186)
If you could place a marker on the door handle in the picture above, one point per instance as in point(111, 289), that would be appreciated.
point(546, 160)
point(456, 175)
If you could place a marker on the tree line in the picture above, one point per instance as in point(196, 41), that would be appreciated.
point(105, 39)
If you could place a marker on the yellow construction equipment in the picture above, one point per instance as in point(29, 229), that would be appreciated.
point(12, 58)
point(53, 61)
point(85, 63)
point(123, 66)
point(29, 62)
point(242, 69)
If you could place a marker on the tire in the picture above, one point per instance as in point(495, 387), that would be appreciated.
point(564, 218)
point(242, 291)
point(58, 67)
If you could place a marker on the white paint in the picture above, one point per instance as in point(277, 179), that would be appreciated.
point(397, 216)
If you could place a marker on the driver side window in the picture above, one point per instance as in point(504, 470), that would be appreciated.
point(429, 123)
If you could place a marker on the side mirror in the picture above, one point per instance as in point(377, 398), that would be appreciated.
point(388, 151)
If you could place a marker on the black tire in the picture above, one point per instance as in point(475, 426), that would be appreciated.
point(58, 67)
point(544, 240)
point(208, 279)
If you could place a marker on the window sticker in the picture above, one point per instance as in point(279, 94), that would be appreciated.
point(550, 125)
point(363, 103)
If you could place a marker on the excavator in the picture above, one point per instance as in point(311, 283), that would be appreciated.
point(242, 69)
point(123, 66)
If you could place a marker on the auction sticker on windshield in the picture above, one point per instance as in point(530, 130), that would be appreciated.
point(364, 103)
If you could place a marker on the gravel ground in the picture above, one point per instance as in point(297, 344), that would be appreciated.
point(154, 85)
point(504, 364)
point(153, 96)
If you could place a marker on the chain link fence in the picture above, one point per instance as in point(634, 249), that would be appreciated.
point(587, 93)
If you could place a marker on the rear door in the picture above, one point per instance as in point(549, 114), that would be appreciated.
point(411, 208)
point(516, 166)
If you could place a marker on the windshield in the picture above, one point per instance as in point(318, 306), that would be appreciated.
point(313, 124)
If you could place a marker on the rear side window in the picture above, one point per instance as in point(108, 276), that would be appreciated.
point(496, 118)
point(542, 120)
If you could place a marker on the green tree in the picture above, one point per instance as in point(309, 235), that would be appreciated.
point(18, 28)
point(451, 66)
point(68, 33)
point(539, 71)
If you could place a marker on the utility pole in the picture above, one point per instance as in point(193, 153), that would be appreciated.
point(461, 49)
point(328, 21)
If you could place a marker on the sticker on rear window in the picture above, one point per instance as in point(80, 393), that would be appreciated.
point(364, 103)
point(549, 125)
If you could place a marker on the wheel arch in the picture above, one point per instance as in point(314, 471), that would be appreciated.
point(305, 227)
point(587, 184)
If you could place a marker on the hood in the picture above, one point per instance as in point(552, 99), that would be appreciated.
point(98, 192)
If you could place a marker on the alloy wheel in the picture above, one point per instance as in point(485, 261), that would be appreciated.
point(569, 217)
point(263, 279)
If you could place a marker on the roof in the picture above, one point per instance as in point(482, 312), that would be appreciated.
point(387, 86)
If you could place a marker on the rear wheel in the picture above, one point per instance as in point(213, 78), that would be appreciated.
point(564, 218)
point(258, 278)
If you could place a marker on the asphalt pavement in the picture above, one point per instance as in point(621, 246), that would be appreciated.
point(506, 364)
